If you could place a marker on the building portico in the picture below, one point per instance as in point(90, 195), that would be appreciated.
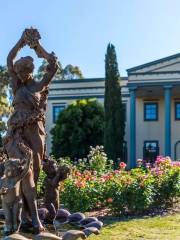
point(144, 130)
point(157, 85)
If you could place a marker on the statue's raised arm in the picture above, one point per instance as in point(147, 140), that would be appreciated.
point(13, 52)
point(10, 64)
point(22, 69)
point(51, 68)
point(32, 38)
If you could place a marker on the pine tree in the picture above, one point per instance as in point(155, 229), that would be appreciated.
point(114, 110)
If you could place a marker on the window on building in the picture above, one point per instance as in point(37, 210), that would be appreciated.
point(151, 151)
point(56, 111)
point(150, 111)
point(177, 111)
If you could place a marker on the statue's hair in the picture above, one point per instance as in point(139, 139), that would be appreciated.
point(49, 161)
point(24, 63)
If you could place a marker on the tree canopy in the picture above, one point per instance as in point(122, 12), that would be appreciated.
point(78, 127)
point(4, 102)
point(66, 73)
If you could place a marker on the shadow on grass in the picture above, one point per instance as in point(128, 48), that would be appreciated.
point(110, 219)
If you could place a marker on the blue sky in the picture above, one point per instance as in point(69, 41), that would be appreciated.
point(78, 31)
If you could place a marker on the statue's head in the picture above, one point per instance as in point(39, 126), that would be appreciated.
point(65, 170)
point(50, 166)
point(12, 168)
point(24, 68)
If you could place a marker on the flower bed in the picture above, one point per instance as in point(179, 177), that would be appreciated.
point(135, 191)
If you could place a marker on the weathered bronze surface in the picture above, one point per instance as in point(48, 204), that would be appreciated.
point(26, 124)
point(15, 171)
point(54, 175)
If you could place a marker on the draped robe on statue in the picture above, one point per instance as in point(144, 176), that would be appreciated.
point(26, 124)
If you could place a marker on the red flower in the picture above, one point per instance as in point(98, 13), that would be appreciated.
point(122, 165)
point(80, 184)
point(109, 200)
point(78, 174)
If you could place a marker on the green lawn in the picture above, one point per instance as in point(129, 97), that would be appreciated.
point(156, 228)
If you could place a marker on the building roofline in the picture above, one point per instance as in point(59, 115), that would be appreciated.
point(83, 80)
point(154, 73)
point(154, 84)
point(153, 62)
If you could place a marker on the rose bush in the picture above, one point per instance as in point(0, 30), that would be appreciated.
point(135, 191)
point(82, 191)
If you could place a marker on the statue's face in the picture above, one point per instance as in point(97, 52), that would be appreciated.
point(24, 69)
point(24, 76)
point(50, 167)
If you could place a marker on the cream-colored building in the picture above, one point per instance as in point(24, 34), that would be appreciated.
point(151, 94)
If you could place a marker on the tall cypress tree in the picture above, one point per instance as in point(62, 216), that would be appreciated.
point(114, 110)
point(0, 140)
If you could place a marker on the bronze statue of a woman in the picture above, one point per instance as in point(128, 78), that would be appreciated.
point(27, 122)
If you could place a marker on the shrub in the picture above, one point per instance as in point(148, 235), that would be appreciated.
point(136, 191)
point(130, 192)
point(81, 192)
point(97, 159)
point(167, 181)
point(78, 127)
